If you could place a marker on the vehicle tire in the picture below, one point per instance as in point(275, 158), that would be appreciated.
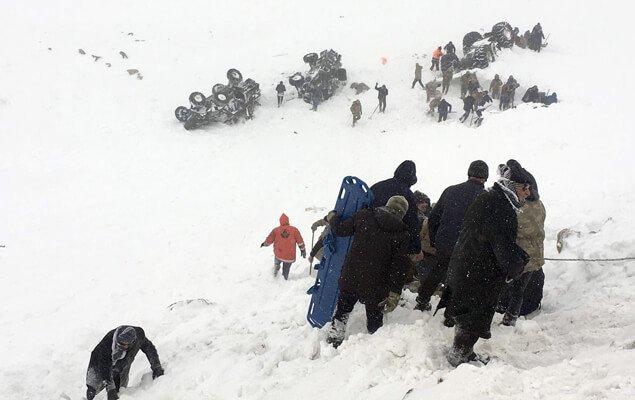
point(448, 61)
point(502, 34)
point(480, 58)
point(341, 74)
point(469, 39)
point(221, 98)
point(197, 99)
point(219, 87)
point(296, 80)
point(234, 76)
point(310, 58)
point(182, 113)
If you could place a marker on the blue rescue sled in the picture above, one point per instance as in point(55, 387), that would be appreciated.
point(354, 195)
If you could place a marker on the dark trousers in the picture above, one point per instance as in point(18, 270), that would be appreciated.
point(419, 81)
point(443, 116)
point(516, 290)
point(435, 62)
point(465, 115)
point(286, 266)
point(356, 118)
point(504, 102)
point(435, 271)
point(445, 87)
point(280, 98)
point(345, 304)
point(464, 342)
point(382, 104)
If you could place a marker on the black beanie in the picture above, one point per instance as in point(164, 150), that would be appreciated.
point(478, 169)
point(125, 335)
point(519, 175)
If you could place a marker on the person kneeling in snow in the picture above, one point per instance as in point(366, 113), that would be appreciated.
point(111, 359)
point(284, 238)
point(374, 271)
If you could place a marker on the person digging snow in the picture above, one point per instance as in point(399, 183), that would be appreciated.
point(284, 239)
point(374, 270)
point(111, 359)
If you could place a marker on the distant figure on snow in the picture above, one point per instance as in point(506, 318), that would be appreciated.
point(280, 89)
point(382, 92)
point(418, 69)
point(356, 110)
point(436, 56)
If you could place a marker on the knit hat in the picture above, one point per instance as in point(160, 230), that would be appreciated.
point(125, 336)
point(421, 197)
point(398, 204)
point(478, 169)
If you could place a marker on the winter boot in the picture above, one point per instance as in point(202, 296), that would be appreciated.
point(336, 333)
point(509, 320)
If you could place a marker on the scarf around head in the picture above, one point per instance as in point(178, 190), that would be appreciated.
point(508, 187)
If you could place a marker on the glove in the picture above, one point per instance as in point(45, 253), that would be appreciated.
point(303, 253)
point(390, 303)
point(90, 393)
point(330, 216)
point(310, 259)
point(112, 395)
point(314, 227)
point(157, 372)
point(262, 244)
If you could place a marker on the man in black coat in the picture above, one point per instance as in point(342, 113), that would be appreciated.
point(485, 257)
point(280, 89)
point(449, 48)
point(468, 107)
point(444, 108)
point(374, 270)
point(399, 185)
point(382, 92)
point(111, 359)
point(444, 225)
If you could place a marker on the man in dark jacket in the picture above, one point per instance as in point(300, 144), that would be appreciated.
point(485, 257)
point(468, 107)
point(536, 38)
point(375, 267)
point(111, 359)
point(382, 92)
point(449, 48)
point(280, 89)
point(444, 225)
point(444, 108)
point(399, 185)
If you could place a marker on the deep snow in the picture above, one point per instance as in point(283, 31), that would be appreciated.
point(110, 211)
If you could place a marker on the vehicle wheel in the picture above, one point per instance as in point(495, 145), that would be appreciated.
point(197, 99)
point(219, 87)
point(480, 59)
point(310, 58)
point(502, 34)
point(234, 76)
point(296, 80)
point(341, 74)
point(448, 61)
point(221, 98)
point(182, 113)
point(469, 39)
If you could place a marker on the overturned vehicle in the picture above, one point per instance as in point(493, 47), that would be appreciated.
point(227, 104)
point(480, 50)
point(324, 77)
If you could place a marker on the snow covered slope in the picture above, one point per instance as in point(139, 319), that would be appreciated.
point(110, 211)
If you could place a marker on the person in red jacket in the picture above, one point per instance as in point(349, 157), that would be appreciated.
point(436, 56)
point(284, 239)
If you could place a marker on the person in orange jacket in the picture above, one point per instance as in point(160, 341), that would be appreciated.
point(284, 239)
point(436, 56)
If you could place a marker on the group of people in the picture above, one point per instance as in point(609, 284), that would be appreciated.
point(482, 247)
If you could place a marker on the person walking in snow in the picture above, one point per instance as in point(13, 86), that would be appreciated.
point(448, 74)
point(417, 79)
point(284, 239)
point(468, 107)
point(444, 109)
point(280, 89)
point(436, 56)
point(495, 87)
point(382, 92)
point(431, 89)
point(403, 179)
point(486, 256)
point(536, 38)
point(111, 359)
point(444, 226)
point(318, 249)
point(375, 266)
point(356, 110)
point(449, 48)
point(531, 238)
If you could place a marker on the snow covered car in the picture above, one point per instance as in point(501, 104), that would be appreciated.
point(227, 104)
point(325, 75)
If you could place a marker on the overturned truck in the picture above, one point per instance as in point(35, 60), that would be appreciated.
point(480, 50)
point(324, 77)
point(227, 104)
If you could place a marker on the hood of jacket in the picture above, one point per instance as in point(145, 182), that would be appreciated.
point(284, 220)
point(388, 220)
point(406, 173)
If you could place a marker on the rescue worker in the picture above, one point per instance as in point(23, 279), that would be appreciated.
point(436, 56)
point(495, 87)
point(356, 110)
point(418, 69)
